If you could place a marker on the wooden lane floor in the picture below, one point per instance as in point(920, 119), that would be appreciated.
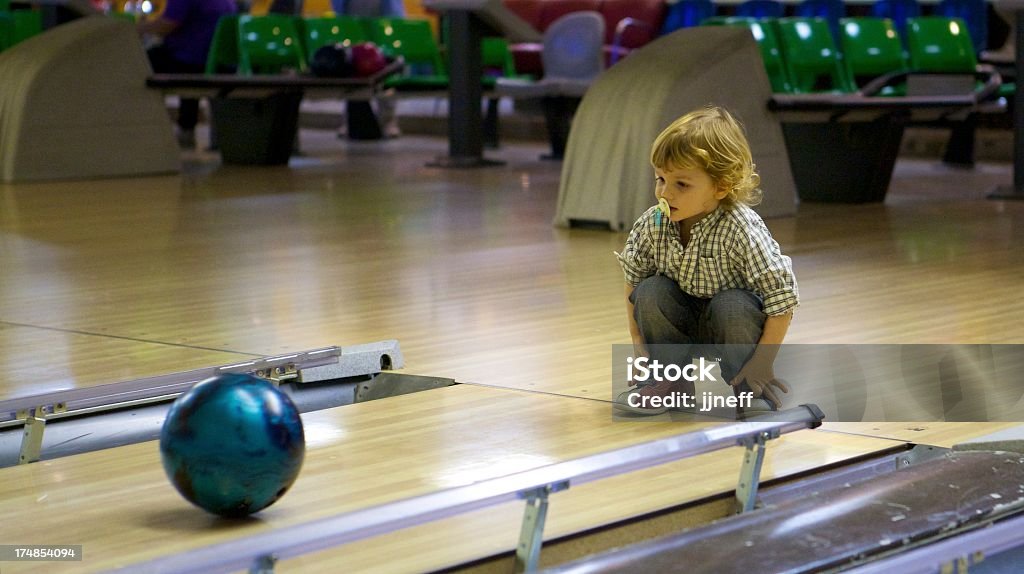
point(940, 434)
point(119, 505)
point(52, 360)
point(360, 242)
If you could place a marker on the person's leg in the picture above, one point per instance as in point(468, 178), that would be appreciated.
point(164, 62)
point(188, 114)
point(188, 108)
point(387, 110)
point(665, 314)
point(733, 321)
point(667, 319)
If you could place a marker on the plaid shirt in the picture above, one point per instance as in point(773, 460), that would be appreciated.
point(730, 248)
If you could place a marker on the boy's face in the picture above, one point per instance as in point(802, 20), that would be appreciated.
point(691, 193)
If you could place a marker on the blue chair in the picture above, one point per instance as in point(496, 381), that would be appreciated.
point(974, 13)
point(687, 14)
point(898, 11)
point(830, 10)
point(761, 9)
point(573, 58)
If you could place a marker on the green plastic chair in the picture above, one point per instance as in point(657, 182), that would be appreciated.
point(939, 44)
point(320, 32)
point(223, 55)
point(812, 62)
point(18, 26)
point(6, 31)
point(27, 23)
point(413, 40)
point(767, 40)
point(269, 44)
point(944, 45)
point(497, 61)
point(871, 49)
point(123, 16)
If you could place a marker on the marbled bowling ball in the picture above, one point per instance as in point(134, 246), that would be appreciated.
point(367, 59)
point(232, 444)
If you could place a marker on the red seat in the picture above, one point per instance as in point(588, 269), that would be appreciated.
point(632, 23)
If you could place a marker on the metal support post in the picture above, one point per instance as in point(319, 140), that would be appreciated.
point(32, 437)
point(263, 564)
point(750, 472)
point(531, 535)
point(465, 125)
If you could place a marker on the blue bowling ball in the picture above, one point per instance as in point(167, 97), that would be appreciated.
point(232, 444)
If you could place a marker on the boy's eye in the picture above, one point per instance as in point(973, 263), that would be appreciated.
point(659, 180)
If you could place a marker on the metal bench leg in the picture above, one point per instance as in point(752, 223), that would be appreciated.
point(531, 536)
point(263, 565)
point(32, 439)
point(750, 472)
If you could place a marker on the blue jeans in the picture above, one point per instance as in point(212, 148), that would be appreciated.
point(727, 326)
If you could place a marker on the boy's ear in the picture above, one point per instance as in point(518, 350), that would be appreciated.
point(721, 191)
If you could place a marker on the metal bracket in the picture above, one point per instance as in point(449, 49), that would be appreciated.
point(750, 472)
point(920, 453)
point(32, 437)
point(531, 535)
point(263, 564)
point(279, 373)
point(962, 564)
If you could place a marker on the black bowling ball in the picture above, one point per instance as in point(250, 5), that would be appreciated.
point(333, 61)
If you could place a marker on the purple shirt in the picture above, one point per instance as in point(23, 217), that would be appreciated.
point(197, 20)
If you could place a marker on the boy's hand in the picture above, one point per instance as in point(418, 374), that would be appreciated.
point(761, 380)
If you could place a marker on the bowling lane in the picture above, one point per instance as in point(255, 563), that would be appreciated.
point(943, 434)
point(122, 509)
point(41, 360)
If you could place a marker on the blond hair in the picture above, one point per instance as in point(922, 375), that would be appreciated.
point(711, 139)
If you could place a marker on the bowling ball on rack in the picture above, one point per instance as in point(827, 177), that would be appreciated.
point(367, 59)
point(232, 444)
point(332, 61)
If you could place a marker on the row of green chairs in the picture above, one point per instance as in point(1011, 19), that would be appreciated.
point(272, 43)
point(801, 56)
point(18, 25)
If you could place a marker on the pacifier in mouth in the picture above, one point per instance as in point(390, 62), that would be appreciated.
point(664, 207)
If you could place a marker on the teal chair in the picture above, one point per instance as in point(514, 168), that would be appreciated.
point(812, 62)
point(766, 36)
point(871, 50)
point(269, 44)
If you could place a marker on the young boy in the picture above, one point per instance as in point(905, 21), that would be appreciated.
point(701, 267)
